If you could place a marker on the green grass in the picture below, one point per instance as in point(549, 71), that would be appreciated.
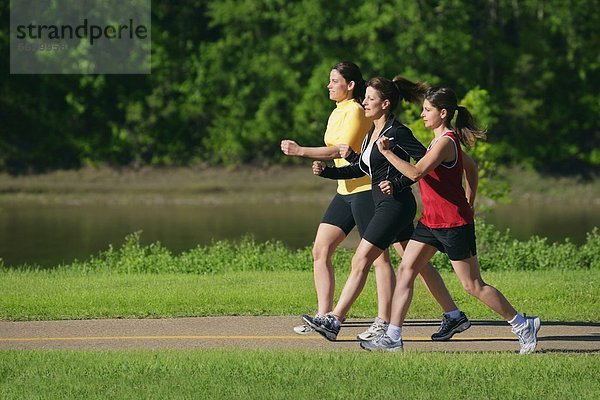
point(281, 374)
point(267, 279)
point(49, 295)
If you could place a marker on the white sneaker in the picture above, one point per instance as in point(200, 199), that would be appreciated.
point(383, 343)
point(376, 330)
point(527, 334)
point(303, 329)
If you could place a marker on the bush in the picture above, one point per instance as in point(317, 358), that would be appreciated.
point(497, 251)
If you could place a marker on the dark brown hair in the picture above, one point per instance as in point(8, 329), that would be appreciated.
point(398, 89)
point(351, 73)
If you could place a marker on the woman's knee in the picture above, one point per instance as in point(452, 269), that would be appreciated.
point(322, 251)
point(360, 264)
point(382, 263)
point(406, 274)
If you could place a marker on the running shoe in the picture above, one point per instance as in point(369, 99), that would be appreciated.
point(327, 326)
point(383, 343)
point(451, 326)
point(527, 334)
point(377, 329)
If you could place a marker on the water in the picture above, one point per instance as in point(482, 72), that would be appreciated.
point(50, 235)
point(555, 221)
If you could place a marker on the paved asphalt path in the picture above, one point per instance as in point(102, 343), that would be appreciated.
point(275, 332)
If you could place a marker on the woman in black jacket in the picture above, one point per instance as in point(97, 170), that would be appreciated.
point(392, 222)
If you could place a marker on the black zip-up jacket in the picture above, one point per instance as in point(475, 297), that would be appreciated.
point(403, 144)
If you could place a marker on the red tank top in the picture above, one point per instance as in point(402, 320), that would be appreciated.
point(444, 201)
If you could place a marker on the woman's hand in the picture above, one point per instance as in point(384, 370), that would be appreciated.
point(386, 187)
point(383, 144)
point(318, 167)
point(290, 148)
point(345, 150)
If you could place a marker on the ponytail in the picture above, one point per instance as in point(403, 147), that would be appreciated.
point(359, 90)
point(466, 128)
point(413, 92)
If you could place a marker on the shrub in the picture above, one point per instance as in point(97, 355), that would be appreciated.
point(496, 251)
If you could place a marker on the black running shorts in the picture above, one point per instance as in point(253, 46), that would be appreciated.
point(393, 219)
point(458, 243)
point(346, 211)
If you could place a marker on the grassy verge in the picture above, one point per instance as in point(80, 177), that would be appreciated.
point(219, 374)
point(47, 295)
point(203, 185)
point(269, 279)
point(193, 185)
point(541, 187)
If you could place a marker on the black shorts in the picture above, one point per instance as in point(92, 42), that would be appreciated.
point(393, 219)
point(458, 243)
point(346, 211)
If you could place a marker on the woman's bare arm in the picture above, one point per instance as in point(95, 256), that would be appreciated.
point(291, 148)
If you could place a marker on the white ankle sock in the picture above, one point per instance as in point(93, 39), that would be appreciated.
point(454, 314)
point(394, 332)
point(517, 321)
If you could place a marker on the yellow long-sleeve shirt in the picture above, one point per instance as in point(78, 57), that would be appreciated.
point(347, 124)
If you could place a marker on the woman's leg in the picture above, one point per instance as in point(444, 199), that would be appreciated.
point(526, 328)
point(364, 256)
point(327, 240)
point(432, 280)
point(453, 321)
point(363, 209)
point(469, 274)
point(416, 256)
point(386, 281)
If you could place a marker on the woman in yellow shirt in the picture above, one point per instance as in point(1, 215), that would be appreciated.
point(352, 205)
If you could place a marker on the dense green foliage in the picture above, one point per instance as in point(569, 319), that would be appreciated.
point(285, 374)
point(230, 79)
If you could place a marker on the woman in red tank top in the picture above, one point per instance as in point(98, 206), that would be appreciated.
point(447, 224)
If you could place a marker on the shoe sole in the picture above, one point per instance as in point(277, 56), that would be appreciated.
point(368, 339)
point(326, 334)
point(460, 328)
point(537, 324)
point(392, 349)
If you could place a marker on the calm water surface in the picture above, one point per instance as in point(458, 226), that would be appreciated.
point(49, 235)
